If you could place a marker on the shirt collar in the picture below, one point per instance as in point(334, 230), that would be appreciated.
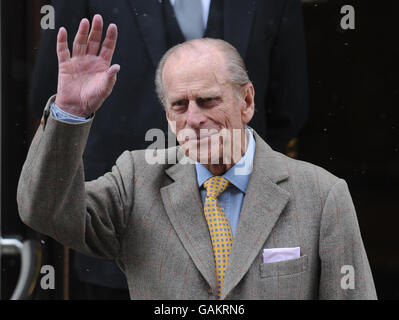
point(239, 174)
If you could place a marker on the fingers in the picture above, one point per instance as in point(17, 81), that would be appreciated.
point(80, 42)
point(108, 47)
point(62, 46)
point(95, 35)
point(85, 43)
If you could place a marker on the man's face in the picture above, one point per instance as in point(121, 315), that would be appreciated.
point(202, 106)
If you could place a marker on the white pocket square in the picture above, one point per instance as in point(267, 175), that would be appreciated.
point(280, 254)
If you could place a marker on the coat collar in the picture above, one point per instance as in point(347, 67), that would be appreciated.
point(183, 204)
point(263, 204)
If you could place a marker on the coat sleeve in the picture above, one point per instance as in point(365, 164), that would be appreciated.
point(53, 197)
point(345, 271)
point(287, 95)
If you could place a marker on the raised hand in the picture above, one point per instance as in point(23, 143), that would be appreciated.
point(86, 79)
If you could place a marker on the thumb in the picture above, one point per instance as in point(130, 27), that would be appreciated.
point(110, 78)
point(113, 70)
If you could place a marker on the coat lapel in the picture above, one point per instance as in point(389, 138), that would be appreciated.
point(238, 17)
point(183, 204)
point(263, 204)
point(150, 20)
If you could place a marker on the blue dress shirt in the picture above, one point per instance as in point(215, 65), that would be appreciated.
point(232, 198)
point(61, 115)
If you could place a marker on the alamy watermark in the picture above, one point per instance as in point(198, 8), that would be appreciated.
point(47, 281)
point(348, 20)
point(48, 20)
point(348, 280)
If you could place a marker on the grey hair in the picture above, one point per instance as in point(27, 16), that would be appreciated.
point(237, 73)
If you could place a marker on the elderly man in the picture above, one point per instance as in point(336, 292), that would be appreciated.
point(241, 222)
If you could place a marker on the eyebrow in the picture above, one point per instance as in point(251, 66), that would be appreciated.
point(199, 95)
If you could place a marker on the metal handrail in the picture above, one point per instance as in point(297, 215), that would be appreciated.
point(30, 252)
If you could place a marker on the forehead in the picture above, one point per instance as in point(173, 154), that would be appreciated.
point(194, 72)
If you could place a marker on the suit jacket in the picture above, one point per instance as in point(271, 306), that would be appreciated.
point(150, 219)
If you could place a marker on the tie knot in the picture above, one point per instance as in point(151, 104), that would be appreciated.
point(215, 186)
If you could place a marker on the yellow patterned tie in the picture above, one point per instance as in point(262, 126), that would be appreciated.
point(219, 227)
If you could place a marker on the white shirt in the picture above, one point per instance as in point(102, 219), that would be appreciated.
point(205, 10)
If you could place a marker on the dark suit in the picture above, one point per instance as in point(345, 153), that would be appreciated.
point(268, 34)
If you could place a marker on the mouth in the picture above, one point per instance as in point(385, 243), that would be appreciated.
point(200, 139)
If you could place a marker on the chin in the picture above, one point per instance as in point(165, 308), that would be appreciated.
point(206, 154)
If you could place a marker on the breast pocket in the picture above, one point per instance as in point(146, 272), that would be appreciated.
point(284, 268)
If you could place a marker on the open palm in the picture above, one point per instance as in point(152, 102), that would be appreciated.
point(86, 79)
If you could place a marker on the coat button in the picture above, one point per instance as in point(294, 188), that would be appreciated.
point(210, 291)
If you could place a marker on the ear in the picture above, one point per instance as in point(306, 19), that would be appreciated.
point(248, 102)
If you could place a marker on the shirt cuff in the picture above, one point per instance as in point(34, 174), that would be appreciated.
point(61, 115)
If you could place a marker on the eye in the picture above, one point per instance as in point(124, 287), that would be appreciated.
point(179, 105)
point(208, 101)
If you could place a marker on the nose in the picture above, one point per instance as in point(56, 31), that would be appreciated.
point(195, 115)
